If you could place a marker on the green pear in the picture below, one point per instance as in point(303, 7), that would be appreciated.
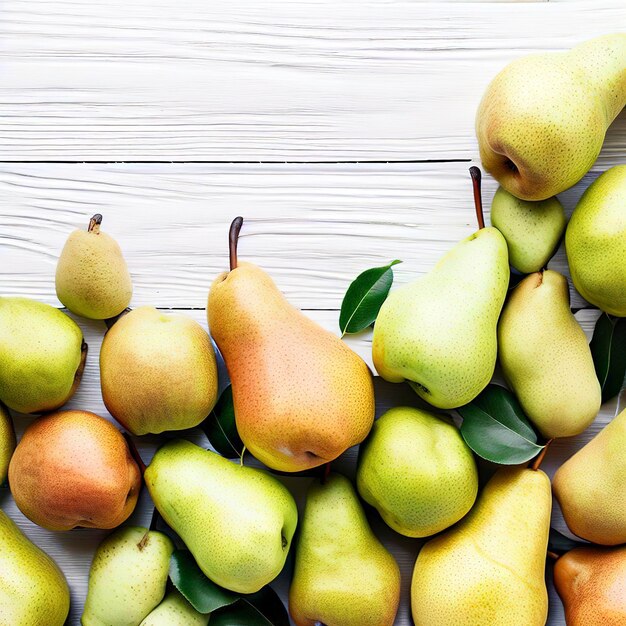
point(175, 611)
point(42, 355)
point(7, 442)
point(591, 489)
point(489, 569)
point(417, 471)
point(439, 332)
point(92, 279)
point(545, 357)
point(595, 242)
point(343, 575)
point(127, 578)
point(542, 120)
point(157, 372)
point(237, 521)
point(33, 590)
point(532, 229)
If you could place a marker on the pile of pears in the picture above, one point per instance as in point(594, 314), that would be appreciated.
point(302, 398)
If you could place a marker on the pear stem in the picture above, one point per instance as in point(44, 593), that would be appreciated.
point(134, 452)
point(476, 175)
point(233, 239)
point(326, 473)
point(94, 224)
point(540, 457)
point(554, 555)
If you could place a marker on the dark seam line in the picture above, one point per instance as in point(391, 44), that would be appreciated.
point(359, 162)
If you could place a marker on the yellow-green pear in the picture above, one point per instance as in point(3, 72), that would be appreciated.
point(489, 568)
point(301, 395)
point(532, 229)
point(127, 577)
point(157, 372)
point(591, 488)
point(439, 332)
point(343, 575)
point(92, 279)
point(546, 358)
point(33, 590)
point(595, 242)
point(42, 355)
point(542, 120)
point(175, 611)
point(237, 521)
point(7, 442)
point(417, 471)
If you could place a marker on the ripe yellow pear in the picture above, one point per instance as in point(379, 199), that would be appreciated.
point(595, 242)
point(591, 489)
point(157, 371)
point(7, 442)
point(33, 590)
point(546, 358)
point(92, 279)
point(175, 611)
point(592, 584)
point(343, 575)
point(301, 396)
point(542, 120)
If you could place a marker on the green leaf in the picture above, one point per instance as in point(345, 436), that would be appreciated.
point(221, 429)
point(608, 348)
point(558, 542)
point(364, 297)
point(495, 428)
point(263, 608)
point(203, 594)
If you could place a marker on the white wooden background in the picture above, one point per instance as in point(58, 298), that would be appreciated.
point(341, 129)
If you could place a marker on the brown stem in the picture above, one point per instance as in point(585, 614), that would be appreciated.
point(554, 555)
point(541, 455)
point(233, 239)
point(326, 473)
point(94, 224)
point(476, 175)
point(134, 452)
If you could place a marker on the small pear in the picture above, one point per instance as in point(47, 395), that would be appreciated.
point(546, 358)
point(92, 279)
point(489, 568)
point(595, 242)
point(417, 471)
point(532, 229)
point(42, 356)
point(74, 468)
point(158, 372)
point(592, 584)
point(237, 521)
point(127, 577)
point(591, 489)
point(175, 611)
point(33, 590)
point(343, 575)
point(7, 442)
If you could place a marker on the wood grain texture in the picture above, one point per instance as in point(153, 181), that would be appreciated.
point(296, 80)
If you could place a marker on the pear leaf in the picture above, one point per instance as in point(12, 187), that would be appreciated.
point(263, 608)
point(496, 429)
point(364, 297)
point(221, 429)
point(608, 348)
point(203, 594)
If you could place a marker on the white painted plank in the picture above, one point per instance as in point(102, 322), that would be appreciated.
point(287, 80)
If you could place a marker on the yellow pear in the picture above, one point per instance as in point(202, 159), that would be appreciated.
point(7, 442)
point(92, 279)
point(489, 568)
point(301, 396)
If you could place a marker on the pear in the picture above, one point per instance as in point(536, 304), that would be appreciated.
point(417, 471)
point(33, 590)
point(595, 242)
point(158, 372)
point(489, 569)
point(445, 350)
point(532, 229)
point(127, 577)
point(301, 396)
point(343, 575)
point(42, 356)
point(92, 279)
point(7, 442)
point(545, 357)
point(237, 521)
point(591, 489)
point(175, 611)
point(74, 468)
point(592, 584)
point(542, 120)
